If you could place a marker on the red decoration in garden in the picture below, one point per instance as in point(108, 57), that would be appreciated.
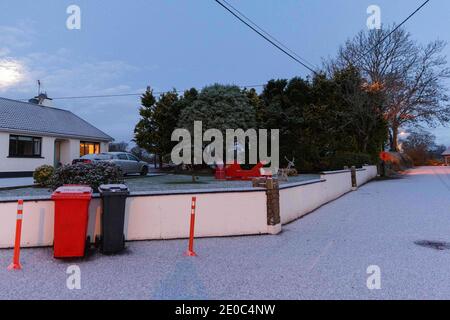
point(385, 156)
point(220, 172)
point(234, 171)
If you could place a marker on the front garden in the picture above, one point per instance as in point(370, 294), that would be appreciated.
point(165, 182)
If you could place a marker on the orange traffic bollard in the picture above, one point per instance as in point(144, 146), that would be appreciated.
point(15, 265)
point(190, 251)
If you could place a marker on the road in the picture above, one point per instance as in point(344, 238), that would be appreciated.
point(325, 255)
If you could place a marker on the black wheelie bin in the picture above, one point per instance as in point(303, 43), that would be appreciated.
point(112, 238)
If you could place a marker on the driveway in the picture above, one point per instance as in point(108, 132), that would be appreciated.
point(322, 256)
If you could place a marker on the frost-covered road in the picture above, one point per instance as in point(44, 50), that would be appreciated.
point(324, 255)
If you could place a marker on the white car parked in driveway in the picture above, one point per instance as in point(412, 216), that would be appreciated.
point(128, 162)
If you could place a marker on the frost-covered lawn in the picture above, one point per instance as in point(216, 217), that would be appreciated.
point(158, 183)
point(15, 182)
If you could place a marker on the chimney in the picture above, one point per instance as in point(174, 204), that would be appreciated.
point(42, 99)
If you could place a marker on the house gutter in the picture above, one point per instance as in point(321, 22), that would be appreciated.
point(56, 135)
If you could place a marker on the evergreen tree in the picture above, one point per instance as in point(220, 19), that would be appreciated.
point(158, 120)
point(166, 115)
point(220, 107)
point(145, 129)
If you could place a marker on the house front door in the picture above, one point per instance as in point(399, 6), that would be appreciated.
point(57, 161)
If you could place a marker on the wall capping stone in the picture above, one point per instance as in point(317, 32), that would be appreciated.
point(299, 184)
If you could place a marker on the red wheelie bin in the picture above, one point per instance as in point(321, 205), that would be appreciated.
point(71, 220)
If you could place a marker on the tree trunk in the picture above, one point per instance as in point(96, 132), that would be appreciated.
point(394, 140)
point(160, 161)
point(365, 143)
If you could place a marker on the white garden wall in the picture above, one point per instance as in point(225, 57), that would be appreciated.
point(337, 184)
point(37, 223)
point(149, 217)
point(297, 200)
point(37, 226)
point(366, 174)
point(217, 214)
point(156, 215)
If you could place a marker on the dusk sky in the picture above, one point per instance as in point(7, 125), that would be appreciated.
point(124, 46)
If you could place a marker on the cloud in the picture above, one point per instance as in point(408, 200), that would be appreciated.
point(60, 72)
point(12, 69)
point(16, 36)
point(63, 74)
point(11, 73)
point(4, 52)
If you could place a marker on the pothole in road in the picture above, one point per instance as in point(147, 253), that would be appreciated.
point(437, 245)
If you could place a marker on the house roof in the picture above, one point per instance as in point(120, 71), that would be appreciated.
point(25, 117)
point(446, 152)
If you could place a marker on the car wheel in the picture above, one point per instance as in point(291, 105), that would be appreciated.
point(144, 171)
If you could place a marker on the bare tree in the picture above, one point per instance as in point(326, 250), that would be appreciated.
point(421, 147)
point(411, 76)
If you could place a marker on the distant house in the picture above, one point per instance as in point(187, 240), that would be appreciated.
point(34, 133)
point(446, 155)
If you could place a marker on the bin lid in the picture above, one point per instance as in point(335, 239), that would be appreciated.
point(73, 192)
point(113, 188)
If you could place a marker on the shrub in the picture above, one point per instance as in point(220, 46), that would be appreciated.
point(349, 159)
point(42, 175)
point(90, 174)
point(305, 166)
point(399, 161)
point(435, 163)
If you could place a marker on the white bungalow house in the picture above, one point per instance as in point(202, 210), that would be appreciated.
point(34, 133)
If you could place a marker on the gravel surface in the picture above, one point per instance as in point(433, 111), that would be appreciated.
point(322, 256)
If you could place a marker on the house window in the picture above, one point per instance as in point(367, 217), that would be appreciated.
point(24, 147)
point(89, 148)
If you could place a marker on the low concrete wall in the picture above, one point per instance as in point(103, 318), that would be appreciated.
point(337, 184)
point(297, 200)
point(217, 214)
point(159, 215)
point(37, 225)
point(38, 222)
point(149, 216)
point(366, 174)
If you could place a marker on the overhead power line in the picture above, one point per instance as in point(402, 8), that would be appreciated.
point(266, 37)
point(131, 94)
point(269, 35)
point(393, 30)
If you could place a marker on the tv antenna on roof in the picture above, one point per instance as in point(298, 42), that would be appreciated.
point(39, 86)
